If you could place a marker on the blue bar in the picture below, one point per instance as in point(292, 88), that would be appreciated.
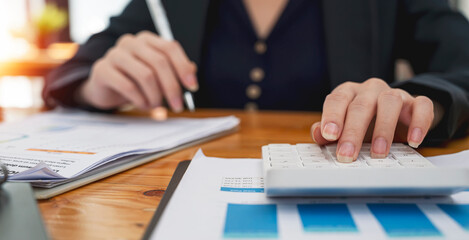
point(460, 213)
point(403, 220)
point(326, 218)
point(249, 190)
point(251, 221)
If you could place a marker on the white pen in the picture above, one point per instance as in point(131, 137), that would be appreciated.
point(158, 15)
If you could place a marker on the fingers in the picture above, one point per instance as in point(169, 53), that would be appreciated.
point(155, 66)
point(140, 73)
point(184, 68)
point(125, 87)
point(422, 118)
point(316, 134)
point(168, 82)
point(388, 110)
point(359, 114)
point(334, 110)
point(350, 108)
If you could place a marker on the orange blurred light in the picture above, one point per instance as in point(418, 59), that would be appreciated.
point(12, 18)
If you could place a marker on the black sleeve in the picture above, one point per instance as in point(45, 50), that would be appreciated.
point(435, 39)
point(61, 84)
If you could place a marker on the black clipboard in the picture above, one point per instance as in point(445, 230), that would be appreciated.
point(177, 176)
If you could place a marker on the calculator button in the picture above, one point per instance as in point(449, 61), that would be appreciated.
point(279, 150)
point(308, 148)
point(356, 163)
point(398, 145)
point(283, 155)
point(380, 161)
point(404, 155)
point(319, 166)
point(413, 160)
point(350, 166)
point(286, 166)
point(331, 146)
point(403, 150)
point(277, 159)
point(312, 155)
point(284, 161)
point(417, 165)
point(386, 166)
point(367, 156)
point(315, 160)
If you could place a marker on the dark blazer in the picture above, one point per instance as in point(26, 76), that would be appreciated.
point(363, 39)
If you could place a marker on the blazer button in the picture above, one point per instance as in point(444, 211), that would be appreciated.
point(260, 47)
point(253, 91)
point(257, 74)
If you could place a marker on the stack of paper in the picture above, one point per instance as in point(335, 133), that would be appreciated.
point(51, 148)
point(227, 201)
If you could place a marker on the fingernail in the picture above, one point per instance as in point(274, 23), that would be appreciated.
point(176, 104)
point(379, 148)
point(191, 82)
point(415, 138)
point(331, 132)
point(346, 152)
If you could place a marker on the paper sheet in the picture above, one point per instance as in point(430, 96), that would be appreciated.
point(223, 199)
point(460, 159)
point(60, 145)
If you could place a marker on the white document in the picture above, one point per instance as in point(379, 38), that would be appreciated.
point(199, 205)
point(54, 146)
point(460, 159)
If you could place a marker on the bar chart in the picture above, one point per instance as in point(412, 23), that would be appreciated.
point(251, 221)
point(326, 218)
point(403, 220)
point(395, 220)
point(459, 213)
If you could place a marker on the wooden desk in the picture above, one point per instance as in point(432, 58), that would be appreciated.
point(120, 207)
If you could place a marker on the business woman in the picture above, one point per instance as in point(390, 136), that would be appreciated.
point(337, 56)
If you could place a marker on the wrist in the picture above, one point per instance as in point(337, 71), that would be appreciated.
point(79, 96)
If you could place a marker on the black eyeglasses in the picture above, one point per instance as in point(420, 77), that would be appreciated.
point(3, 173)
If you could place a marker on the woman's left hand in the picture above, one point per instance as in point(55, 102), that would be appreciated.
point(350, 108)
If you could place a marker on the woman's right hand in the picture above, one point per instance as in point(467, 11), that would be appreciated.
point(140, 69)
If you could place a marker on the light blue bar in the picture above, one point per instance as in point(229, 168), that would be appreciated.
point(326, 218)
point(460, 213)
point(250, 190)
point(403, 220)
point(251, 221)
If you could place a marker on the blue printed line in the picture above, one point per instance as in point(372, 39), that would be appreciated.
point(249, 190)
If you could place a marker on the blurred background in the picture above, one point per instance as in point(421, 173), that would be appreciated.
point(38, 35)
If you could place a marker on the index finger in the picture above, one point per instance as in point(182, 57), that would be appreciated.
point(184, 68)
point(334, 110)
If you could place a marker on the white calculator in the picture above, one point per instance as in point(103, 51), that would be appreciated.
point(313, 170)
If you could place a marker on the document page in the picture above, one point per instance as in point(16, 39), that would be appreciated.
point(60, 145)
point(224, 199)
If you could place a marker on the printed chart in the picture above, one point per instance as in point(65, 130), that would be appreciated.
point(242, 184)
point(396, 219)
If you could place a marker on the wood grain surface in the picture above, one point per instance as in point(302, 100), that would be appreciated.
point(121, 206)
